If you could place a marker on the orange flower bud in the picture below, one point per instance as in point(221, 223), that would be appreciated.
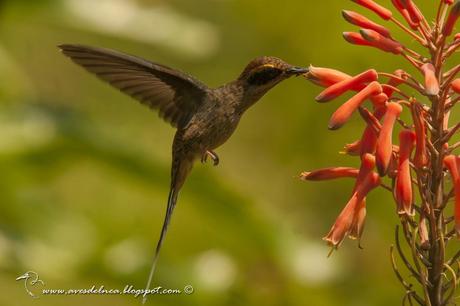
point(344, 112)
point(356, 39)
point(384, 147)
point(363, 22)
point(403, 188)
point(457, 36)
point(421, 157)
point(452, 19)
point(380, 99)
point(376, 8)
point(455, 85)
point(402, 8)
point(339, 88)
point(325, 76)
point(329, 174)
point(452, 163)
point(431, 82)
point(381, 42)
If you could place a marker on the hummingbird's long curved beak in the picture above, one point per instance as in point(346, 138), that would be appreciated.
point(296, 70)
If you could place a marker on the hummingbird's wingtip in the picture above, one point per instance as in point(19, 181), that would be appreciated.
point(63, 47)
point(69, 47)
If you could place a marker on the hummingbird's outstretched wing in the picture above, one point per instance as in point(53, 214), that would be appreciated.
point(174, 94)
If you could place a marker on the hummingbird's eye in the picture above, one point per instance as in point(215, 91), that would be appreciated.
point(264, 76)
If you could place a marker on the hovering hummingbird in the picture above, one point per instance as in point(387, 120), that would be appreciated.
point(204, 117)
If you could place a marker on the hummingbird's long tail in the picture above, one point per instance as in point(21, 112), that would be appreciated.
point(172, 199)
point(179, 172)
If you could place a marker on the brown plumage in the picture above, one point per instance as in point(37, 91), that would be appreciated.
point(204, 117)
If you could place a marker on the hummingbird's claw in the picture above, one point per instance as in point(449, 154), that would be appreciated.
point(213, 156)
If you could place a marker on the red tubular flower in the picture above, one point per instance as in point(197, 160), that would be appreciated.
point(403, 188)
point(421, 156)
point(381, 42)
point(431, 82)
point(363, 22)
point(356, 39)
point(339, 88)
point(359, 218)
point(329, 174)
point(452, 163)
point(344, 112)
point(384, 145)
point(325, 77)
point(455, 85)
point(344, 222)
point(351, 219)
point(449, 2)
point(376, 8)
point(452, 19)
point(403, 9)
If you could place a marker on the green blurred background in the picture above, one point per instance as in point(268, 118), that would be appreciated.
point(84, 170)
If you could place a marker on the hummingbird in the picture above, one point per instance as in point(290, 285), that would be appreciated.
point(205, 117)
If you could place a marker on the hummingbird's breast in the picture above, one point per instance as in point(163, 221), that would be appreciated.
point(213, 123)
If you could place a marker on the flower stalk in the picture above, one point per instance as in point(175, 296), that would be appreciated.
point(421, 170)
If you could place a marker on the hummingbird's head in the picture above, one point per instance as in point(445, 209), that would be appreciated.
point(263, 73)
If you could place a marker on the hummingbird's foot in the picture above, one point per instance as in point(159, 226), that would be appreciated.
point(213, 156)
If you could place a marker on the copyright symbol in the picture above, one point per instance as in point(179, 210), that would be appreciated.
point(188, 289)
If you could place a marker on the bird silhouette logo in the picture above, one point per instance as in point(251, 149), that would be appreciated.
point(31, 279)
